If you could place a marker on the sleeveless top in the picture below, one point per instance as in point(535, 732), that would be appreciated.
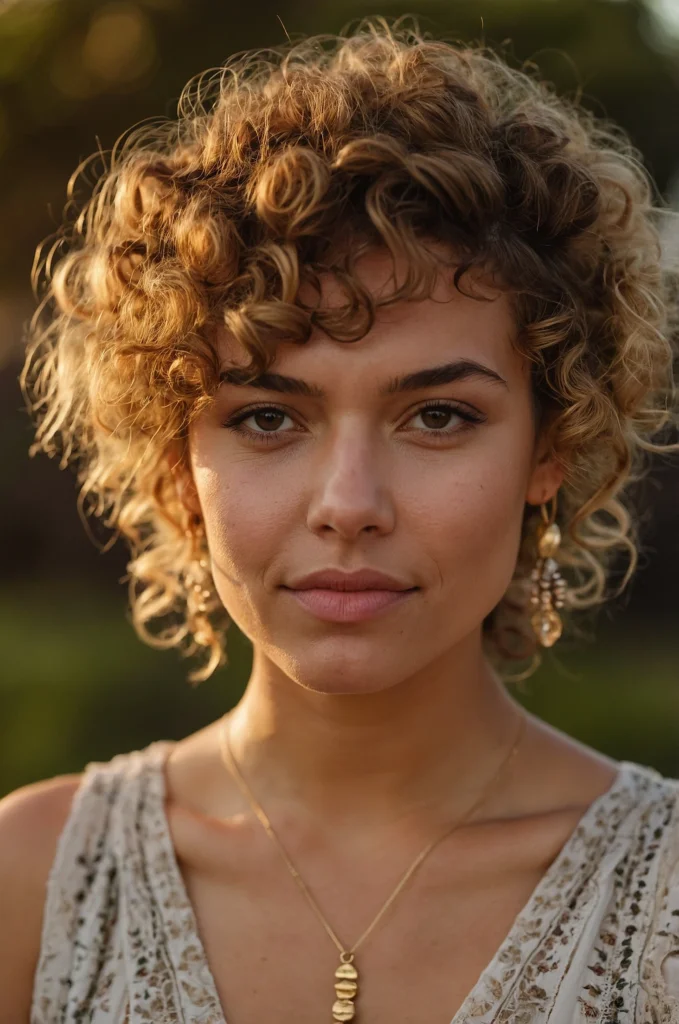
point(598, 939)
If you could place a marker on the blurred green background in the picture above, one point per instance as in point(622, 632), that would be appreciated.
point(75, 682)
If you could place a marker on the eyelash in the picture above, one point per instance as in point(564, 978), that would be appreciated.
point(235, 423)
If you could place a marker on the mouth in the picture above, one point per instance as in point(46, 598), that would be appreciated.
point(332, 605)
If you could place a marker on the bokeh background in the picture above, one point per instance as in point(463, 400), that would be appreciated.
point(75, 682)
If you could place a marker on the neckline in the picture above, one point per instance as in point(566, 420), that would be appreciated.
point(198, 963)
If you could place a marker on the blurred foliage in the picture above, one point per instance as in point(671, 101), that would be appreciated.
point(87, 687)
point(75, 682)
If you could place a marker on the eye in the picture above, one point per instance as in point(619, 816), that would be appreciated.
point(437, 416)
point(267, 420)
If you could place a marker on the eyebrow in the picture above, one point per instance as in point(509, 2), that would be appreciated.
point(433, 376)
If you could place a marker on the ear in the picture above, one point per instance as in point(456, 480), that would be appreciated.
point(183, 478)
point(546, 476)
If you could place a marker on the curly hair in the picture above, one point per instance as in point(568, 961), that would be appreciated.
point(286, 164)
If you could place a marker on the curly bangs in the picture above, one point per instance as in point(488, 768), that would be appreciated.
point(288, 164)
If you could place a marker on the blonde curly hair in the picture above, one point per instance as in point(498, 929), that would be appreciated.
point(287, 164)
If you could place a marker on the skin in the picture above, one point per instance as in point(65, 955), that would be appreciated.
point(361, 740)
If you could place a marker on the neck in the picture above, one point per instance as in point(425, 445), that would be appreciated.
point(422, 749)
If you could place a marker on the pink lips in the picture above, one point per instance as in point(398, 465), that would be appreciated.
point(337, 596)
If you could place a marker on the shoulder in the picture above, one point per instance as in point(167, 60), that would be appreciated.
point(62, 844)
point(35, 810)
point(31, 820)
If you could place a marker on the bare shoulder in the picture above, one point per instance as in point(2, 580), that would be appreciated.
point(39, 805)
point(31, 821)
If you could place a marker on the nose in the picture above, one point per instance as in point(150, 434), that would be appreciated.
point(349, 492)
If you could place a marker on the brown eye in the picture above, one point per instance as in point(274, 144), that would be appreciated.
point(441, 420)
point(260, 425)
point(434, 417)
point(268, 419)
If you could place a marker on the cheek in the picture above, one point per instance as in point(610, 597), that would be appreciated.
point(245, 534)
point(247, 512)
point(471, 510)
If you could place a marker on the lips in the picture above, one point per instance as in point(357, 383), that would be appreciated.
point(336, 596)
point(361, 579)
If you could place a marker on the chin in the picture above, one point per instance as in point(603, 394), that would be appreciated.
point(345, 685)
point(343, 666)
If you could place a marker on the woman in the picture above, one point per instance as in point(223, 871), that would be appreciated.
point(362, 350)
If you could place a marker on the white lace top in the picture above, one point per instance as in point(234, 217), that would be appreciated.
point(598, 939)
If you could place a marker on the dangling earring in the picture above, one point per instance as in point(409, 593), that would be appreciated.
point(197, 579)
point(548, 591)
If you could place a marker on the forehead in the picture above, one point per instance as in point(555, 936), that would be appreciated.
point(406, 335)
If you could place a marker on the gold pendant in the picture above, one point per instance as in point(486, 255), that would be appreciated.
point(346, 987)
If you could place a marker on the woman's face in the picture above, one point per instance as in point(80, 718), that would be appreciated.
point(358, 465)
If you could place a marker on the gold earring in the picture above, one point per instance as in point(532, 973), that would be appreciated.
point(197, 579)
point(548, 591)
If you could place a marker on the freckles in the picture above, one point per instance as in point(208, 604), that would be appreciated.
point(252, 523)
point(261, 508)
point(465, 518)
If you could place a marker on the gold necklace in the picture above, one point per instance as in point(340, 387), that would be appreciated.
point(346, 975)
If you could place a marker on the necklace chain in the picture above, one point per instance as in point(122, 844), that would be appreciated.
point(347, 955)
